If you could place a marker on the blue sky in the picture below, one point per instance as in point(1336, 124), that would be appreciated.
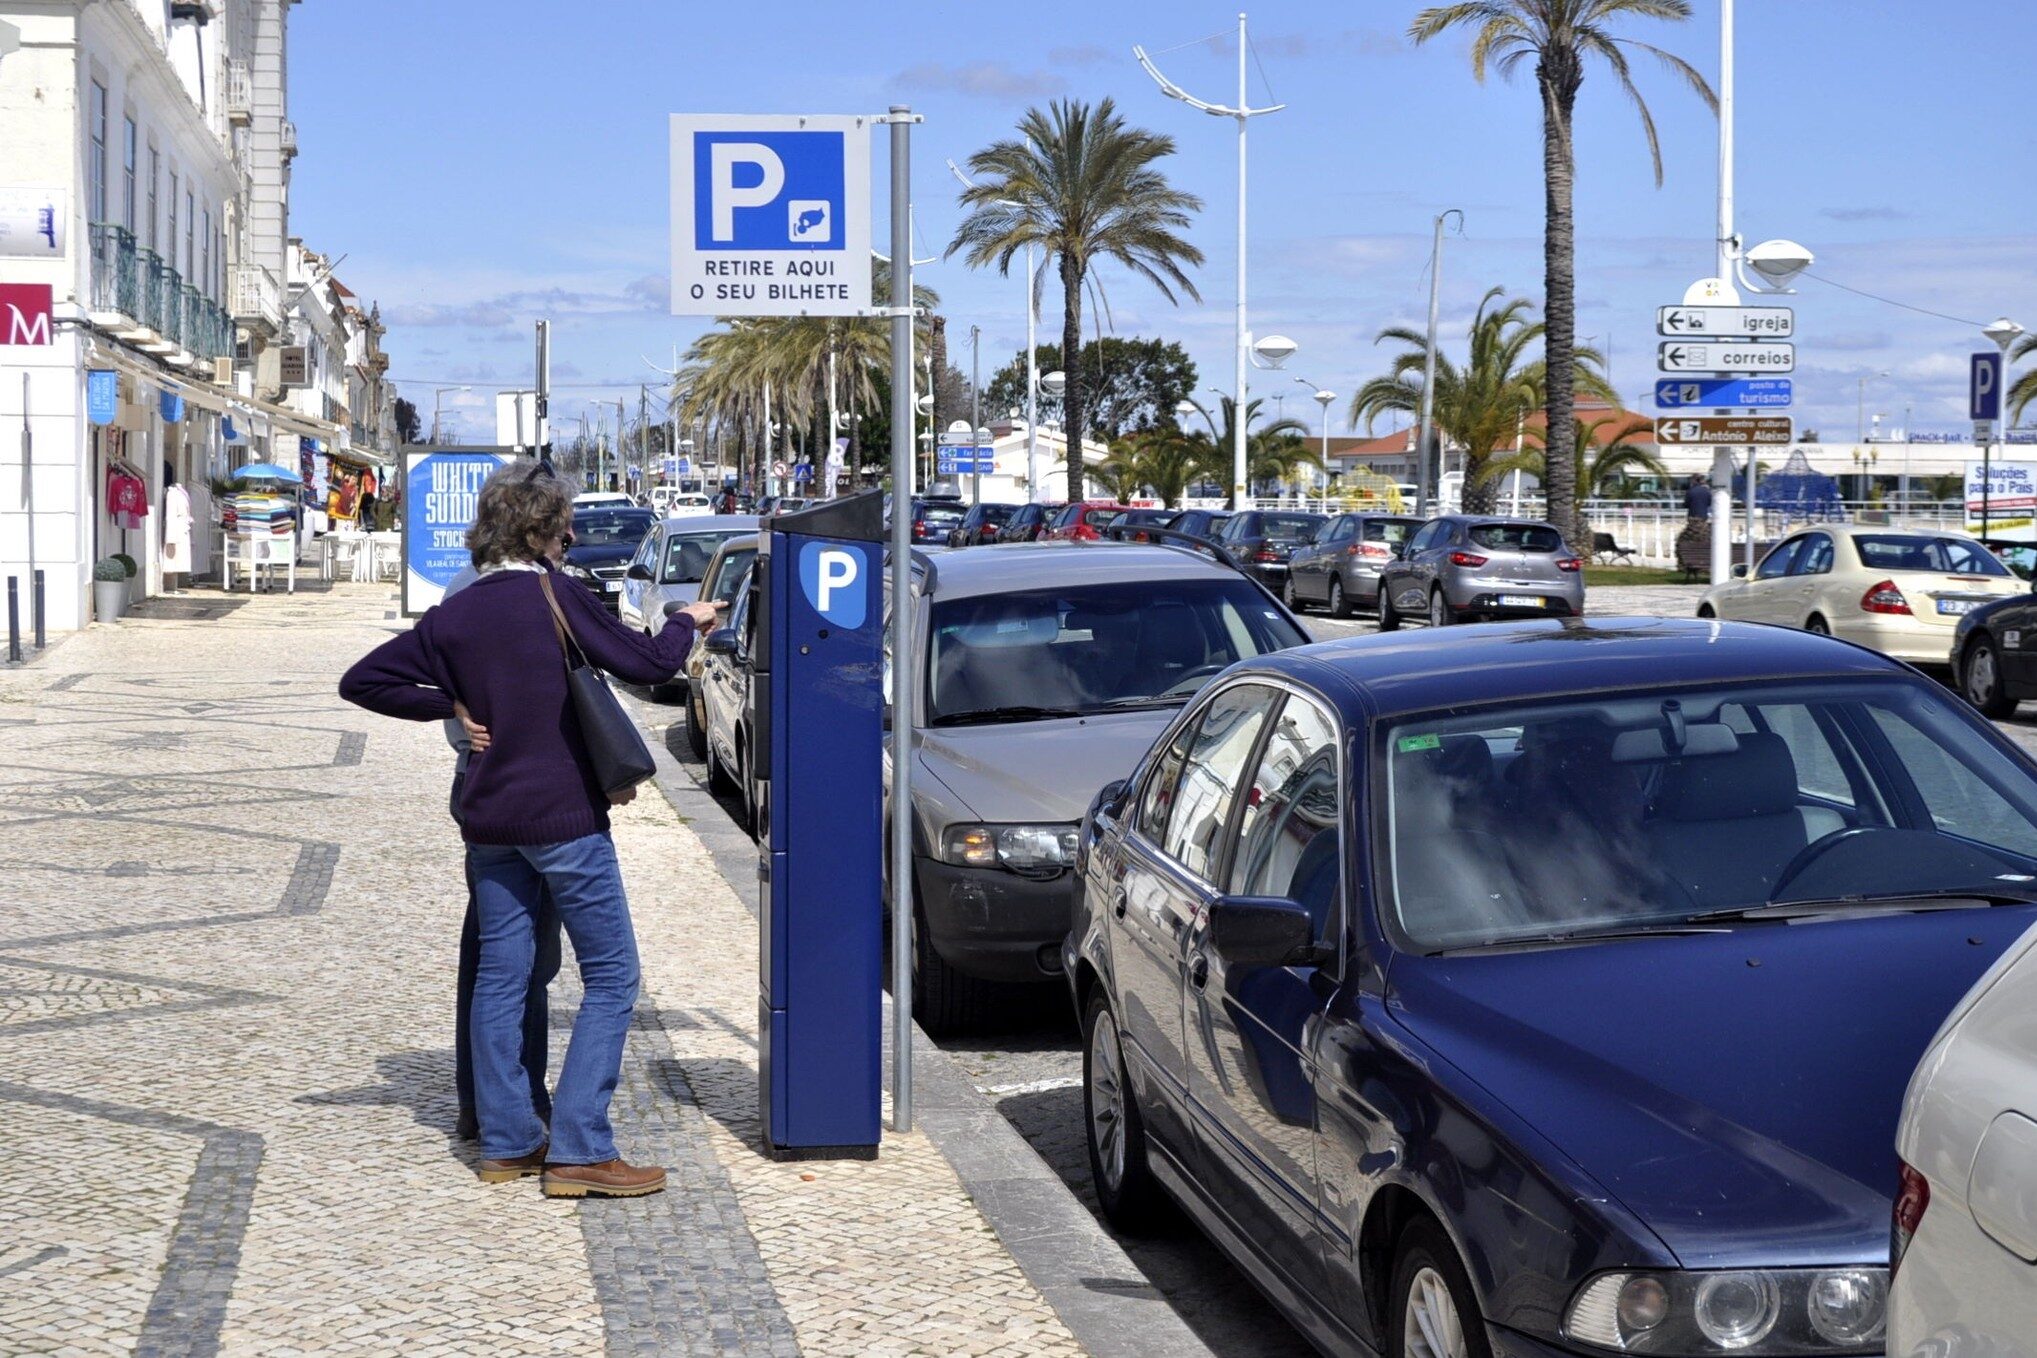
point(485, 162)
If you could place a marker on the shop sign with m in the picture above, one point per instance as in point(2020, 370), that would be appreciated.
point(25, 313)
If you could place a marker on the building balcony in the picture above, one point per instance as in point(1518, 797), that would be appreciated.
point(116, 278)
point(240, 94)
point(254, 299)
point(289, 139)
point(162, 302)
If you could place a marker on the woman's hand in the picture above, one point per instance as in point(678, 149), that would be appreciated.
point(624, 797)
point(478, 738)
point(703, 614)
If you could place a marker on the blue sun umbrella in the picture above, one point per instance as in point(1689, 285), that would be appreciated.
point(267, 471)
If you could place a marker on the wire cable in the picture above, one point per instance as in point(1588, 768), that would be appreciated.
point(1890, 301)
point(1217, 36)
point(1254, 47)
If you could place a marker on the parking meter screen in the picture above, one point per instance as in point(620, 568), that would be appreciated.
point(1092, 648)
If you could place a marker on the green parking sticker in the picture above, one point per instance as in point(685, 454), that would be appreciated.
point(1409, 744)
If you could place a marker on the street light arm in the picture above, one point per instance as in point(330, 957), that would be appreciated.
point(1174, 91)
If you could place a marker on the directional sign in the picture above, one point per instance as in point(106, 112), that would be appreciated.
point(1743, 322)
point(1731, 429)
point(1984, 388)
point(1713, 356)
point(770, 215)
point(1722, 393)
point(964, 462)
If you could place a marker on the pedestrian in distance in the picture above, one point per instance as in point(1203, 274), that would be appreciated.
point(534, 816)
point(1697, 500)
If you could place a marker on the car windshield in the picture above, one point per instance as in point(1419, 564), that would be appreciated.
point(687, 555)
point(1289, 527)
point(1918, 552)
point(1531, 823)
point(941, 515)
point(1092, 648)
point(612, 528)
point(735, 568)
point(1516, 537)
point(1394, 531)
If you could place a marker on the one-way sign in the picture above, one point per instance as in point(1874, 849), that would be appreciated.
point(1727, 429)
point(1739, 322)
point(1678, 356)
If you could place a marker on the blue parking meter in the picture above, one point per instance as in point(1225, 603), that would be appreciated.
point(817, 690)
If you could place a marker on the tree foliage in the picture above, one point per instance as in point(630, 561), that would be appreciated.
point(1134, 384)
point(409, 424)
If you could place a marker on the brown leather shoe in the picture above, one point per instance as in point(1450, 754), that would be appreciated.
point(609, 1179)
point(508, 1171)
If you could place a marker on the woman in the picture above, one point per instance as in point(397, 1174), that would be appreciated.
point(534, 817)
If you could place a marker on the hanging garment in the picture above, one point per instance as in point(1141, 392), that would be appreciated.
point(177, 529)
point(127, 499)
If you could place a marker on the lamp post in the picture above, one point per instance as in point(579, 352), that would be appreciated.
point(1053, 384)
point(1032, 354)
point(976, 412)
point(1323, 398)
point(1425, 483)
point(1861, 394)
point(438, 392)
point(1243, 113)
point(2003, 332)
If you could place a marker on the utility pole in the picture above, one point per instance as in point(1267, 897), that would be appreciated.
point(900, 811)
point(544, 429)
point(1722, 458)
point(1243, 113)
point(976, 413)
point(1427, 483)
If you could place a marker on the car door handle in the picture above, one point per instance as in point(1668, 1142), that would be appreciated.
point(1198, 971)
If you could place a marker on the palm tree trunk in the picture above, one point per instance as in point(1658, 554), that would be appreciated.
point(1072, 413)
point(937, 348)
point(1559, 282)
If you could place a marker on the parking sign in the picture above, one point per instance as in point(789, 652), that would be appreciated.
point(770, 215)
point(1984, 387)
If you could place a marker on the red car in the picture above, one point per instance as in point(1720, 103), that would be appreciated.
point(1083, 521)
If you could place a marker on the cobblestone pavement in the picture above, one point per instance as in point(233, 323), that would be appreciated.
point(226, 966)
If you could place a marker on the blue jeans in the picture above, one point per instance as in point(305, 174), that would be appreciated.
point(585, 883)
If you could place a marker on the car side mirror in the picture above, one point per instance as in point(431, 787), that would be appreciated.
point(1111, 800)
point(1262, 931)
point(722, 641)
point(637, 571)
point(1739, 570)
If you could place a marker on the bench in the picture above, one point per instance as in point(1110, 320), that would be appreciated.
point(1694, 550)
point(1608, 552)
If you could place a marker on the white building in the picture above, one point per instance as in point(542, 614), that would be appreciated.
point(151, 136)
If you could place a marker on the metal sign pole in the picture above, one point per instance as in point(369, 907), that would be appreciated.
point(902, 667)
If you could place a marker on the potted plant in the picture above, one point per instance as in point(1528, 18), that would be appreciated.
point(127, 563)
point(109, 589)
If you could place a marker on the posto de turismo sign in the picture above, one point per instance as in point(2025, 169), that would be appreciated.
point(770, 215)
point(440, 488)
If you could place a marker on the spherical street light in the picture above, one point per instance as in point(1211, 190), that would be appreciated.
point(2002, 331)
point(1275, 350)
point(925, 404)
point(1778, 261)
point(1054, 383)
point(1184, 408)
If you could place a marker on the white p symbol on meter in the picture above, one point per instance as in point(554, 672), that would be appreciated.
point(830, 576)
point(723, 195)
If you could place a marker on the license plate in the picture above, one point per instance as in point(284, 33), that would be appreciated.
point(613, 586)
point(1957, 605)
point(1520, 601)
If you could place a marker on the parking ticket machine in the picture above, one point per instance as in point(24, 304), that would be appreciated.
point(816, 656)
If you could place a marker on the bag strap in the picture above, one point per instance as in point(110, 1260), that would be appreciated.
point(568, 643)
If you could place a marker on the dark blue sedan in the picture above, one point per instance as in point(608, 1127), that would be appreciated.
point(1548, 988)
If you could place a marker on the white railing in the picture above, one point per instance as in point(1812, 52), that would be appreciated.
point(240, 93)
point(1651, 527)
point(254, 297)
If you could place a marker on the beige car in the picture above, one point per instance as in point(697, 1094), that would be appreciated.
point(1895, 590)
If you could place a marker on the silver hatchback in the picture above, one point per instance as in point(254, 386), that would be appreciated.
point(1464, 567)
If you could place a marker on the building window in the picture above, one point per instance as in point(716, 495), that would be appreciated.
point(205, 274)
point(155, 178)
point(173, 216)
point(128, 146)
point(190, 228)
point(98, 152)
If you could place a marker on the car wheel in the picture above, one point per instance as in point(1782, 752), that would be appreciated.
point(718, 780)
point(1292, 599)
point(1340, 607)
point(746, 789)
point(1980, 679)
point(1433, 1312)
point(944, 1001)
point(1817, 626)
point(1389, 617)
point(1439, 609)
point(696, 729)
point(1116, 1134)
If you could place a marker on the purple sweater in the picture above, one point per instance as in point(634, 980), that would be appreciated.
point(494, 647)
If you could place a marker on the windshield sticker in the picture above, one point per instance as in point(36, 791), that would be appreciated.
point(1410, 744)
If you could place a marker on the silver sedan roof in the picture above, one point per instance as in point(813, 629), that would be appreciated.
point(713, 523)
point(1008, 567)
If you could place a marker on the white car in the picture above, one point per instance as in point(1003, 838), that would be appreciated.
point(1964, 1244)
point(1894, 590)
point(603, 499)
point(670, 502)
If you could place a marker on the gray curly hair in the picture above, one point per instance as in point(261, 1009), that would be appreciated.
point(522, 507)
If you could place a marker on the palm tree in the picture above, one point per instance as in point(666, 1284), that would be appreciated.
point(1597, 469)
point(1165, 461)
point(1081, 184)
point(1562, 36)
point(1272, 451)
point(1479, 404)
point(2023, 390)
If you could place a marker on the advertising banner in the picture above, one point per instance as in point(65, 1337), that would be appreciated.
point(440, 488)
point(2007, 497)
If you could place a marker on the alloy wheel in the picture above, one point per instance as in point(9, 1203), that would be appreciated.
point(1980, 676)
point(1439, 611)
point(1107, 1100)
point(1431, 1327)
point(1337, 609)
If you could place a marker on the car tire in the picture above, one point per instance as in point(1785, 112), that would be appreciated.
point(1439, 609)
point(1817, 626)
point(1340, 607)
point(1980, 680)
point(1114, 1132)
point(1389, 617)
point(718, 780)
point(944, 1001)
point(745, 788)
point(1292, 599)
point(1431, 1310)
point(696, 732)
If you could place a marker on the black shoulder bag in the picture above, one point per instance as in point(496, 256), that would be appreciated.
point(614, 746)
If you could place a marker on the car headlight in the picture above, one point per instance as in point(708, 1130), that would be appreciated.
point(1022, 848)
point(1756, 1312)
point(578, 572)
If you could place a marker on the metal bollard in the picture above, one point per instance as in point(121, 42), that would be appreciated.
point(13, 620)
point(35, 607)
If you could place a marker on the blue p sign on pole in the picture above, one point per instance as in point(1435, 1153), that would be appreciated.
point(1984, 388)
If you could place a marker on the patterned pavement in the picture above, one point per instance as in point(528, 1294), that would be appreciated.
point(226, 964)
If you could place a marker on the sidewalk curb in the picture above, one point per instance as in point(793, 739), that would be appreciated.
point(1096, 1290)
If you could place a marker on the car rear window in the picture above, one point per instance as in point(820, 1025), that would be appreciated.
point(1517, 537)
point(941, 516)
point(1395, 531)
point(1918, 552)
point(1290, 527)
point(1097, 518)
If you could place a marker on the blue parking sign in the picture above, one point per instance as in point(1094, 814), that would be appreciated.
point(768, 190)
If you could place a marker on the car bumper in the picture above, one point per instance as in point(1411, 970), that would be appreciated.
point(994, 924)
point(1361, 583)
point(1487, 600)
point(1901, 638)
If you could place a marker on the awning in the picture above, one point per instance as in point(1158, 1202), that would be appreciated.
point(207, 396)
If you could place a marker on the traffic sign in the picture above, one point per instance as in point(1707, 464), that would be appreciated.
point(770, 215)
point(1727, 429)
point(1741, 322)
point(1723, 393)
point(1714, 356)
point(952, 461)
point(1984, 388)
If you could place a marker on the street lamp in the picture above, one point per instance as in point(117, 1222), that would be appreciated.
point(1032, 353)
point(1322, 398)
point(1861, 433)
point(1243, 113)
point(437, 392)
